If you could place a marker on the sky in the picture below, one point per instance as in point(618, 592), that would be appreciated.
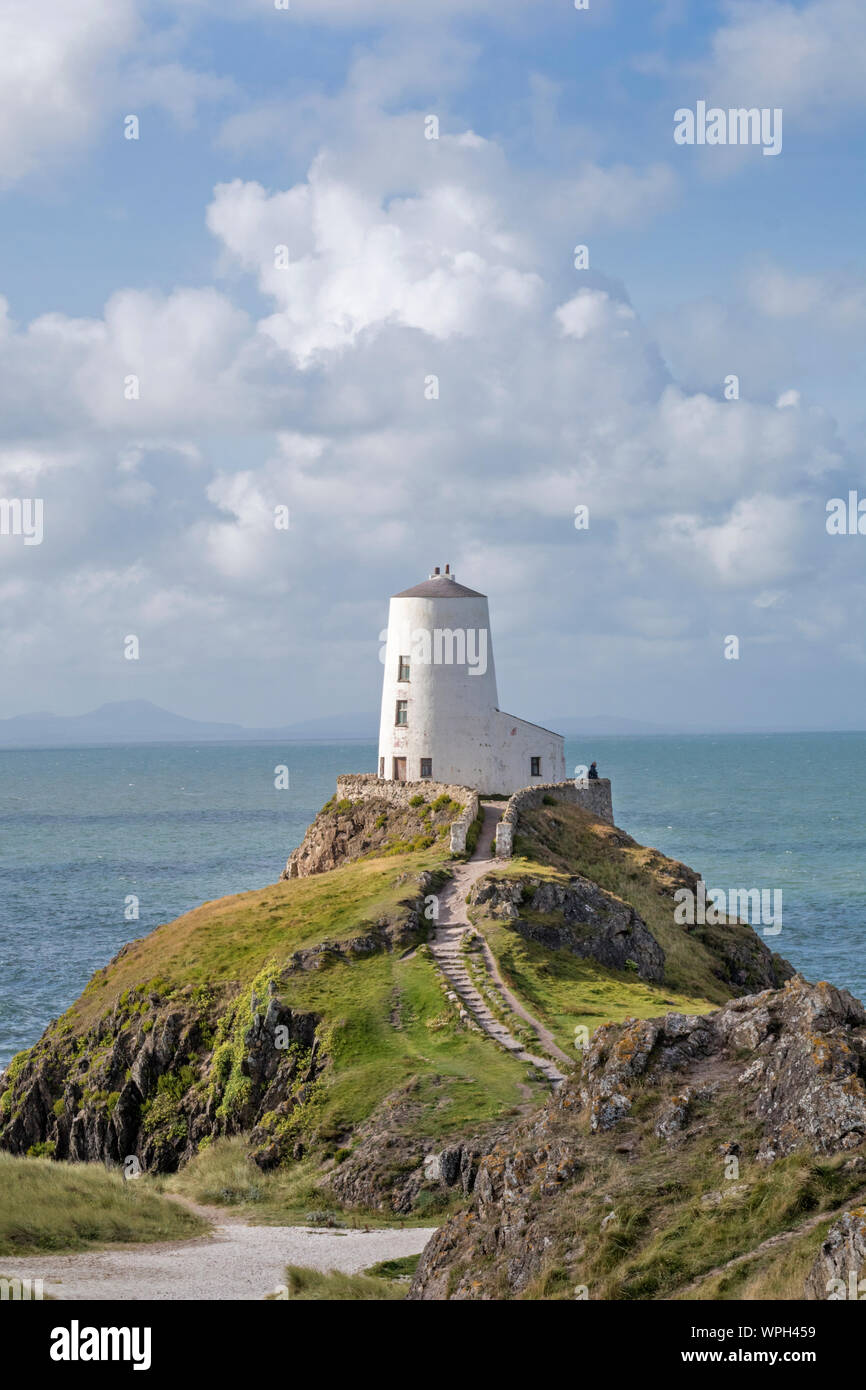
point(242, 310)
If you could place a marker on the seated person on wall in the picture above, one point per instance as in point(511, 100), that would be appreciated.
point(592, 775)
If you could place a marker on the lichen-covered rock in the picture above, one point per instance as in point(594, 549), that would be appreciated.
point(143, 1081)
point(806, 1081)
point(674, 1116)
point(576, 916)
point(840, 1266)
point(390, 1163)
point(346, 830)
point(789, 1063)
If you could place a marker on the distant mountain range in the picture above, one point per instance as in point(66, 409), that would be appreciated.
point(141, 721)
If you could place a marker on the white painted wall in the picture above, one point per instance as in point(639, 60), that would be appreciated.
point(453, 714)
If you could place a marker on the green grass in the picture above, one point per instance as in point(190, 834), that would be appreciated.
point(224, 1174)
point(556, 842)
point(402, 1267)
point(313, 1285)
point(391, 1025)
point(77, 1206)
point(388, 1029)
point(226, 942)
point(566, 991)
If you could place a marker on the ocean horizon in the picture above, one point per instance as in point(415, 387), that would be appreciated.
point(84, 830)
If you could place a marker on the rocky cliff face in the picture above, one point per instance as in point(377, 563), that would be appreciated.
point(345, 830)
point(664, 1109)
point(391, 1164)
point(166, 1070)
point(158, 1076)
point(576, 916)
point(805, 1080)
point(840, 1265)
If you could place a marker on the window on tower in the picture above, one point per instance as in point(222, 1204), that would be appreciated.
point(403, 669)
point(426, 767)
point(402, 712)
point(535, 767)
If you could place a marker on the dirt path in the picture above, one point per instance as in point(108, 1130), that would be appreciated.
point(236, 1261)
point(452, 924)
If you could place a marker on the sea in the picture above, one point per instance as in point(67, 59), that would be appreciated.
point(84, 831)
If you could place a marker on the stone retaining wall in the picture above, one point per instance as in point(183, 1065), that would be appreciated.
point(366, 786)
point(592, 795)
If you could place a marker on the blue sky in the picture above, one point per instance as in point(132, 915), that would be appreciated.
point(411, 257)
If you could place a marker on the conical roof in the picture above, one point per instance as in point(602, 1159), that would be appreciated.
point(440, 586)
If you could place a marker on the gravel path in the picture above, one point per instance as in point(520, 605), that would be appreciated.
point(236, 1261)
point(445, 947)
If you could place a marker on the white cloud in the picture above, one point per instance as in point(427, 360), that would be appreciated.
point(55, 67)
point(808, 59)
point(435, 262)
point(550, 396)
point(68, 70)
point(760, 541)
point(591, 311)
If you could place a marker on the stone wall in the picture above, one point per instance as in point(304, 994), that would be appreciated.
point(592, 795)
point(460, 827)
point(366, 786)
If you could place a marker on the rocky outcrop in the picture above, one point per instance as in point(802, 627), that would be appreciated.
point(788, 1064)
point(165, 1071)
point(345, 830)
point(406, 928)
point(391, 1165)
point(575, 916)
point(805, 1079)
point(840, 1265)
point(147, 1083)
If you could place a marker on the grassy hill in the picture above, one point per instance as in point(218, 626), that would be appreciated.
point(295, 1048)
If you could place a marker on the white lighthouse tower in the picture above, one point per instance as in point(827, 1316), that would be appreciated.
point(440, 709)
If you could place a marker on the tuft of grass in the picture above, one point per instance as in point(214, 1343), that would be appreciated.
point(401, 1267)
point(313, 1285)
point(77, 1206)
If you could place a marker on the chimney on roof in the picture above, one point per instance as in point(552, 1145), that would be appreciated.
point(447, 569)
point(435, 572)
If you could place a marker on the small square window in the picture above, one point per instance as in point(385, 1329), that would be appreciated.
point(535, 767)
point(426, 767)
point(402, 716)
point(403, 669)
